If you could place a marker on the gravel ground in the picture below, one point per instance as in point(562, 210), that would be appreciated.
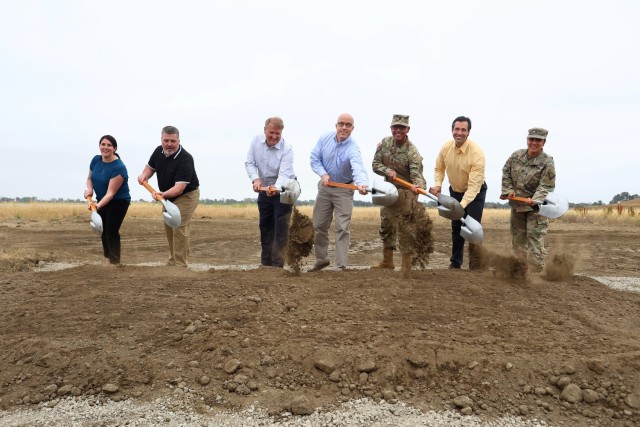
point(356, 413)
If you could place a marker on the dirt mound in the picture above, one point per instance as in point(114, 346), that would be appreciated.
point(301, 235)
point(21, 260)
point(225, 339)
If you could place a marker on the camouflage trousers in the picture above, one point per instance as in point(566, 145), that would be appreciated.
point(392, 219)
point(527, 236)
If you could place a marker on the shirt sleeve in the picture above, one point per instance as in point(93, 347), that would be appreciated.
point(415, 171)
point(440, 168)
point(316, 159)
point(185, 170)
point(251, 165)
point(476, 178)
point(360, 176)
point(285, 172)
point(378, 167)
point(507, 180)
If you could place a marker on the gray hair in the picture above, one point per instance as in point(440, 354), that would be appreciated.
point(171, 130)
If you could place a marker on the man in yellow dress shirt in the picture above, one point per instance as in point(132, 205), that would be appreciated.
point(463, 161)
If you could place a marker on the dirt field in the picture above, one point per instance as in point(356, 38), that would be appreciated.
point(224, 334)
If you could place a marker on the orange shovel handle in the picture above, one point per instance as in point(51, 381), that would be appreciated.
point(408, 185)
point(91, 204)
point(341, 185)
point(519, 199)
point(146, 185)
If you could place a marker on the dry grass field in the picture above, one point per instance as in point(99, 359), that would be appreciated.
point(45, 212)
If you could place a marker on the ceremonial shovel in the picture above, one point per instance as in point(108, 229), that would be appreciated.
point(171, 212)
point(96, 219)
point(451, 209)
point(554, 206)
point(382, 193)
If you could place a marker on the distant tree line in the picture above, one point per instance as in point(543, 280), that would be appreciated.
point(623, 197)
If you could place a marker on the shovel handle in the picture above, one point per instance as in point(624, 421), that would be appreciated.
point(341, 185)
point(91, 204)
point(409, 185)
point(269, 188)
point(524, 200)
point(146, 185)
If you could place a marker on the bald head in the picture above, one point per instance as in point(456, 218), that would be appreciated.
point(344, 126)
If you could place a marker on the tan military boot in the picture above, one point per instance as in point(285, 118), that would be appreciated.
point(406, 265)
point(387, 260)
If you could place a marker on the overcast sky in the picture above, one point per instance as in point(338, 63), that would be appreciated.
point(71, 71)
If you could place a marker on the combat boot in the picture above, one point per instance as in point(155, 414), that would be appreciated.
point(406, 265)
point(387, 260)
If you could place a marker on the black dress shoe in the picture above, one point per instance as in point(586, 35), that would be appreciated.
point(454, 267)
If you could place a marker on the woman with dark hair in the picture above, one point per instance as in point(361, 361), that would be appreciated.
point(108, 178)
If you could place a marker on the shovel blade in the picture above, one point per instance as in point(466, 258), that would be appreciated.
point(383, 193)
point(290, 192)
point(554, 206)
point(96, 223)
point(471, 230)
point(449, 207)
point(171, 214)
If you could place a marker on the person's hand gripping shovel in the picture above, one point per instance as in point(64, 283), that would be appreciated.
point(96, 219)
point(289, 193)
point(171, 212)
point(450, 208)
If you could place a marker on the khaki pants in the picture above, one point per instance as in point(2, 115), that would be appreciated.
point(332, 202)
point(178, 238)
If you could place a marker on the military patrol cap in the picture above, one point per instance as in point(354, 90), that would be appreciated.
point(400, 120)
point(538, 133)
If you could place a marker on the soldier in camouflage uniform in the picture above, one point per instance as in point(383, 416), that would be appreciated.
point(396, 156)
point(529, 173)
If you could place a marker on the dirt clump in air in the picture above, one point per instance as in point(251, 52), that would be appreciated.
point(560, 268)
point(301, 235)
point(416, 229)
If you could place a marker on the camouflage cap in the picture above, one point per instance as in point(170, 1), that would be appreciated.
point(400, 120)
point(538, 133)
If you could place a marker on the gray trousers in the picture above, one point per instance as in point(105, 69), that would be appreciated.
point(332, 202)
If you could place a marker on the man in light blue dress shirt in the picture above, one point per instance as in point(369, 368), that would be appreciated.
point(270, 164)
point(336, 157)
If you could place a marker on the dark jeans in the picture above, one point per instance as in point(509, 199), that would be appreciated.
point(274, 229)
point(112, 216)
point(474, 209)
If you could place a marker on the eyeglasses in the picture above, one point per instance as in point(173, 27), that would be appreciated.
point(538, 140)
point(344, 125)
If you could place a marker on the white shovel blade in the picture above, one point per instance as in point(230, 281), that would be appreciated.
point(290, 192)
point(383, 193)
point(171, 214)
point(554, 206)
point(96, 223)
point(471, 230)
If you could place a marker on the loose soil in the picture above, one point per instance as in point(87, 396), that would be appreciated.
point(225, 334)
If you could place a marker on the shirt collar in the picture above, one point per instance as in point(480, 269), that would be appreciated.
point(263, 139)
point(175, 155)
